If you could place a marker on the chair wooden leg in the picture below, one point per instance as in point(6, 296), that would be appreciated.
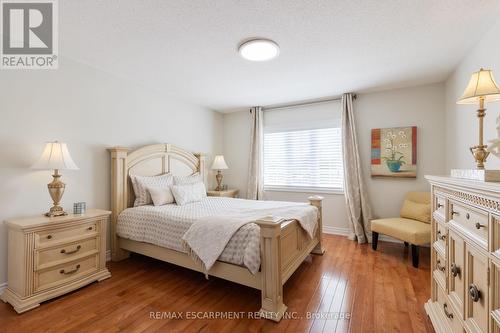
point(374, 240)
point(406, 244)
point(414, 255)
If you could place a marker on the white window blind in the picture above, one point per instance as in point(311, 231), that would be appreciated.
point(302, 148)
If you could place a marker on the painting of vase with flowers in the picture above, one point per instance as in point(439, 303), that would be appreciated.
point(394, 152)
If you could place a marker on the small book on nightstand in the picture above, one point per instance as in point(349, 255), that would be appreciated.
point(51, 256)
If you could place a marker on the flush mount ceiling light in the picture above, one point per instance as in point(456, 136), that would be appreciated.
point(259, 49)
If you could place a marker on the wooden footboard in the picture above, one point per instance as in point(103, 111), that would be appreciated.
point(284, 244)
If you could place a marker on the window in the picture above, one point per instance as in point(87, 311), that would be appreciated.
point(303, 155)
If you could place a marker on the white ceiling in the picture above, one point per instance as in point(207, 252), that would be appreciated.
point(187, 49)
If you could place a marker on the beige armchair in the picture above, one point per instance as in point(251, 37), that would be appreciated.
point(412, 227)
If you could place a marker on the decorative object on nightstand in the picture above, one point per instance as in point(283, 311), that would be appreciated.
point(481, 88)
point(49, 257)
point(55, 157)
point(223, 193)
point(219, 164)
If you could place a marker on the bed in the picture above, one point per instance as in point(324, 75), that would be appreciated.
point(282, 243)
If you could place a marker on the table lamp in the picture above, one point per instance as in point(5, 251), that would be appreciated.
point(219, 164)
point(481, 88)
point(55, 157)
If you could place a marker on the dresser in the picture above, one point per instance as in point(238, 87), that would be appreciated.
point(48, 257)
point(465, 256)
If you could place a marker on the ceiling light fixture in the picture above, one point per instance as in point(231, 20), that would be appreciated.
point(259, 49)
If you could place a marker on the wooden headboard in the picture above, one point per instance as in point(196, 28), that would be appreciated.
point(149, 160)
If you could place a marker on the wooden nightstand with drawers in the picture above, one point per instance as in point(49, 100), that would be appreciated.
point(48, 257)
point(224, 193)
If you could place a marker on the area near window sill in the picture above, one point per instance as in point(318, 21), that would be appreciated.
point(311, 190)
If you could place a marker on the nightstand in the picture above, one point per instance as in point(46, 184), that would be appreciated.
point(226, 193)
point(51, 256)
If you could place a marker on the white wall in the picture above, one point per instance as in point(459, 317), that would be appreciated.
point(419, 106)
point(90, 110)
point(461, 120)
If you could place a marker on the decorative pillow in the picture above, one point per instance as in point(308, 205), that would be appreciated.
point(188, 180)
point(185, 194)
point(161, 195)
point(416, 211)
point(141, 184)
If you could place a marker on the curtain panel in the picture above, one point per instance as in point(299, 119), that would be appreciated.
point(357, 201)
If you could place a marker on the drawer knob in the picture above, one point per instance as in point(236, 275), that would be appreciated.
point(71, 252)
point(455, 270)
point(479, 225)
point(441, 236)
point(474, 293)
point(440, 205)
point(438, 265)
point(89, 228)
point(453, 213)
point(49, 236)
point(62, 271)
point(445, 308)
point(467, 216)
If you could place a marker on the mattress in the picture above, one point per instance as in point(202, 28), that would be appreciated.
point(165, 226)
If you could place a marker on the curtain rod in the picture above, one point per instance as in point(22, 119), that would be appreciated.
point(304, 103)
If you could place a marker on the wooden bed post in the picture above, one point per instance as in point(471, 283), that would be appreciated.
point(118, 197)
point(317, 201)
point(272, 284)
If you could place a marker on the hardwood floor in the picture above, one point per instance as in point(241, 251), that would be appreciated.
point(376, 291)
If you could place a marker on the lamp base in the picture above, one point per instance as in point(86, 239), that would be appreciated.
point(56, 211)
point(56, 191)
point(480, 155)
point(218, 177)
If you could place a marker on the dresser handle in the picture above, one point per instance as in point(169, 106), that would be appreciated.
point(467, 216)
point(71, 252)
point(441, 236)
point(479, 225)
point(455, 270)
point(89, 228)
point(440, 205)
point(455, 213)
point(474, 293)
point(445, 308)
point(62, 271)
point(438, 265)
point(49, 236)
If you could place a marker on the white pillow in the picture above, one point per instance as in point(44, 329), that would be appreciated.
point(185, 194)
point(161, 195)
point(141, 184)
point(188, 180)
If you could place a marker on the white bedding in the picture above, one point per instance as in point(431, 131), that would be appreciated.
point(166, 225)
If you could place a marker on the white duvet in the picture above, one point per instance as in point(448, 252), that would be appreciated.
point(166, 225)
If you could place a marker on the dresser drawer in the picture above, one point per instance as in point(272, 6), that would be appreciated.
point(439, 268)
point(64, 253)
point(456, 272)
point(476, 290)
point(472, 221)
point(56, 236)
point(65, 273)
point(441, 235)
point(440, 204)
point(448, 312)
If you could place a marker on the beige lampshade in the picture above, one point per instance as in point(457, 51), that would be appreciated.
point(55, 156)
point(481, 84)
point(219, 163)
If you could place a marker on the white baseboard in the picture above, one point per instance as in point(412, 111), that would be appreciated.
point(2, 287)
point(108, 255)
point(345, 232)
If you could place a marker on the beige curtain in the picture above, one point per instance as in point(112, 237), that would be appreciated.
point(358, 205)
point(255, 187)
